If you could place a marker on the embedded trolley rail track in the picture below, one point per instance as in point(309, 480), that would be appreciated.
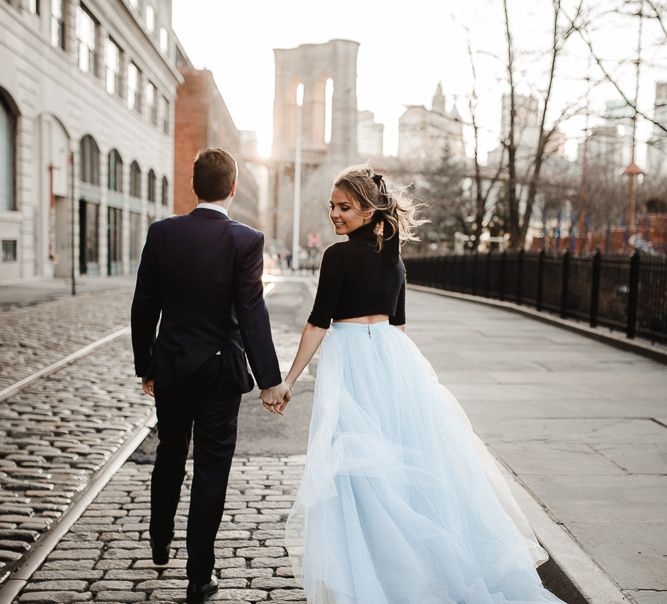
point(15, 574)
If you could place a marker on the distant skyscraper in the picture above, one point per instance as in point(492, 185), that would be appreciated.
point(605, 147)
point(657, 149)
point(525, 114)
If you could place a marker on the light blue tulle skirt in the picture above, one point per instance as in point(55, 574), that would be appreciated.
point(400, 502)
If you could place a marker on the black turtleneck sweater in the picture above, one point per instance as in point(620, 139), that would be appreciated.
point(356, 280)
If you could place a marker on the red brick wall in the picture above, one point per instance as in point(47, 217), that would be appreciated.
point(191, 126)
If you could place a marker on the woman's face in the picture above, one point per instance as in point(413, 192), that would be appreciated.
point(345, 213)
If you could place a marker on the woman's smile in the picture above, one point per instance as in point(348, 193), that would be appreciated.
point(345, 214)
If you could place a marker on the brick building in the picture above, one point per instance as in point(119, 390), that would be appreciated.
point(203, 120)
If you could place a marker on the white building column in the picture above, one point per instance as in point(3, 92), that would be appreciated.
point(100, 51)
point(69, 16)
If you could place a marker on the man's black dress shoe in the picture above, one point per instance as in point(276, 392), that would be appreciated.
point(160, 553)
point(199, 592)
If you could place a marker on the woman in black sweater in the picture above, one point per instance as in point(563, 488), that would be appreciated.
point(400, 502)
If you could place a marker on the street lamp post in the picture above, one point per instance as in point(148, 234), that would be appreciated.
point(296, 218)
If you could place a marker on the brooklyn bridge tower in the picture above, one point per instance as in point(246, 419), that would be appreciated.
point(328, 132)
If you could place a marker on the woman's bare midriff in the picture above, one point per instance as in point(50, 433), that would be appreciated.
point(364, 320)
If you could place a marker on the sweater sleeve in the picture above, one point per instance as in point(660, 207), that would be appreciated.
point(398, 318)
point(328, 288)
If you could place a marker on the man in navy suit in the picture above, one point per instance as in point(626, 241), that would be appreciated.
point(200, 275)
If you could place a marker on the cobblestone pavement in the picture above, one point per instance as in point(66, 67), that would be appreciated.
point(55, 434)
point(60, 430)
point(106, 557)
point(36, 336)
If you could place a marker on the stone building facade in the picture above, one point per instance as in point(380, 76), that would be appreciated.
point(203, 120)
point(425, 135)
point(87, 95)
point(370, 136)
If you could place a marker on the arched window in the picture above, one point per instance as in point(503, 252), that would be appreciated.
point(135, 179)
point(165, 191)
point(7, 155)
point(89, 160)
point(115, 171)
point(151, 185)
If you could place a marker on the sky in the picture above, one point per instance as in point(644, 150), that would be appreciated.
point(406, 48)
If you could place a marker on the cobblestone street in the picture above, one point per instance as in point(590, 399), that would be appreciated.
point(59, 431)
point(106, 557)
point(33, 337)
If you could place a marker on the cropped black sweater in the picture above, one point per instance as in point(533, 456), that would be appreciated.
point(356, 280)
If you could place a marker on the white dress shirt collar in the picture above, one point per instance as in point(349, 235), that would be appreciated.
point(213, 206)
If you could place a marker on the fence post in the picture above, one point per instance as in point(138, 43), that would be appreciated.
point(633, 295)
point(540, 279)
point(595, 288)
point(519, 276)
point(501, 288)
point(475, 270)
point(565, 284)
point(487, 276)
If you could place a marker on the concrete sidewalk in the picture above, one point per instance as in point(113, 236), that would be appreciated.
point(581, 424)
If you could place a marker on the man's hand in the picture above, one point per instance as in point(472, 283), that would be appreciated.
point(148, 386)
point(275, 399)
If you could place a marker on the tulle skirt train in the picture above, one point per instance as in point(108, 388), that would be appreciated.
point(401, 503)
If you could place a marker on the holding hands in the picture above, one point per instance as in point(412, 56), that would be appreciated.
point(275, 399)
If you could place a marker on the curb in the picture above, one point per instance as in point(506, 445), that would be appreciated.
point(570, 573)
point(650, 351)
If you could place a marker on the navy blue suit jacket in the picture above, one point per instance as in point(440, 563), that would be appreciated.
point(200, 275)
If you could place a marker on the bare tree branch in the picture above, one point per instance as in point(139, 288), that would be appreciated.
point(608, 76)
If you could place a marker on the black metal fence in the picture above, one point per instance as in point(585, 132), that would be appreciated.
point(619, 292)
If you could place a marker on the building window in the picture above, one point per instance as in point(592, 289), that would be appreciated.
point(136, 239)
point(112, 60)
point(89, 160)
point(85, 34)
point(89, 240)
point(57, 24)
point(33, 6)
point(115, 171)
point(165, 191)
point(151, 186)
point(9, 250)
point(114, 241)
point(151, 102)
point(150, 18)
point(7, 155)
point(166, 110)
point(135, 180)
point(133, 92)
point(164, 39)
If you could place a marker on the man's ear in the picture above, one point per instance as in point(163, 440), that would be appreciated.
point(233, 192)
